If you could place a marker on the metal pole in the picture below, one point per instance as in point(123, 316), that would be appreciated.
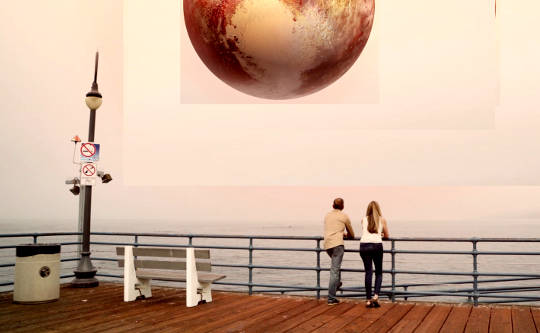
point(92, 126)
point(250, 265)
point(81, 221)
point(393, 297)
point(86, 272)
point(475, 273)
point(318, 268)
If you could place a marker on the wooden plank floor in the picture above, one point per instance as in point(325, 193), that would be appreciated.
point(102, 310)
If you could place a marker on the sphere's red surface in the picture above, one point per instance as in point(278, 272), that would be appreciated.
point(279, 49)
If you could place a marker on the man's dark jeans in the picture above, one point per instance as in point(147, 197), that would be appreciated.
point(372, 253)
point(336, 255)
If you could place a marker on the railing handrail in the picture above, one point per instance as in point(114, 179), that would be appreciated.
point(187, 235)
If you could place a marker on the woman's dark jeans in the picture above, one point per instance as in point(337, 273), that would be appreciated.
point(372, 252)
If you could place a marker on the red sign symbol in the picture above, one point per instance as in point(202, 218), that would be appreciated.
point(88, 150)
point(89, 170)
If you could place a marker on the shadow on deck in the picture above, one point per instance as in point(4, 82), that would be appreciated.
point(102, 310)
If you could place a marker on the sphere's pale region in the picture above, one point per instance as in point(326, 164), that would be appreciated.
point(279, 49)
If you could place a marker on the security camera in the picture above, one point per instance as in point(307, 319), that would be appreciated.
point(106, 178)
point(75, 190)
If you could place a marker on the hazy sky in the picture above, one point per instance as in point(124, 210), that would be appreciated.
point(425, 146)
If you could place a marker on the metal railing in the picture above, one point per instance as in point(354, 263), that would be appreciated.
point(474, 294)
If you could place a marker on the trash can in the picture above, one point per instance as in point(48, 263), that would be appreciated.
point(37, 273)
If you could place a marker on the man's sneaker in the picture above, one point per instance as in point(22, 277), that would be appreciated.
point(333, 301)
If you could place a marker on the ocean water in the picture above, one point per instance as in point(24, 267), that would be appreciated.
point(414, 262)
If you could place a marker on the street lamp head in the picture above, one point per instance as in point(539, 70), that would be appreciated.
point(93, 97)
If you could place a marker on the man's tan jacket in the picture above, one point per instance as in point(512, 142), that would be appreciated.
point(335, 223)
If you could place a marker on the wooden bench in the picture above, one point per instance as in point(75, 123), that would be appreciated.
point(139, 273)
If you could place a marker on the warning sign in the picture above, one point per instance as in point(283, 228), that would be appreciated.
point(89, 152)
point(89, 170)
point(88, 174)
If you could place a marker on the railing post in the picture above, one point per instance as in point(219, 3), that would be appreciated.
point(475, 272)
point(35, 239)
point(250, 265)
point(318, 249)
point(405, 289)
point(190, 240)
point(393, 271)
point(136, 241)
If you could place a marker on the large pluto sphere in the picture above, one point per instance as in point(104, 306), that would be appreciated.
point(279, 49)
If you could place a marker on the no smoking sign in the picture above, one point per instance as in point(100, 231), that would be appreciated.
point(89, 170)
point(88, 174)
point(89, 152)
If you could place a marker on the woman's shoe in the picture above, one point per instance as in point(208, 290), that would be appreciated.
point(375, 301)
point(369, 304)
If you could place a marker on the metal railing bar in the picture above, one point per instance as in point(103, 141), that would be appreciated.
point(69, 259)
point(467, 274)
point(439, 293)
point(40, 234)
point(279, 290)
point(204, 236)
point(210, 246)
point(298, 249)
point(459, 252)
point(507, 301)
point(268, 285)
point(110, 275)
point(103, 259)
point(15, 246)
point(173, 245)
point(464, 282)
point(268, 267)
point(484, 293)
point(402, 239)
point(479, 239)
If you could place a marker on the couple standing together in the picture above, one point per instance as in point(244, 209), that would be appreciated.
point(337, 226)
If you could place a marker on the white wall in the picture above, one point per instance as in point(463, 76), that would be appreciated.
point(47, 53)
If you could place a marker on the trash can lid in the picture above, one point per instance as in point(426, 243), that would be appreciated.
point(27, 250)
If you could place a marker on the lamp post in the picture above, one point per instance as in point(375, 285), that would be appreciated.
point(85, 271)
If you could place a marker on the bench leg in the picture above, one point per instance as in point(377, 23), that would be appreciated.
point(192, 296)
point(130, 291)
point(206, 292)
point(145, 287)
point(192, 283)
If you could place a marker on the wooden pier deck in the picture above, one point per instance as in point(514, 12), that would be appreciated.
point(102, 309)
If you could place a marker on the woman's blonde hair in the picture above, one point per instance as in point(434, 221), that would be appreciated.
point(374, 215)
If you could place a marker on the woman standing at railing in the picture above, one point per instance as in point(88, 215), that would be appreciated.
point(374, 229)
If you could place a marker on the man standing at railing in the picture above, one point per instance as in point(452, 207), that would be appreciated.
point(335, 224)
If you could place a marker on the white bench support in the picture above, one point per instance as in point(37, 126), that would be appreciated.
point(133, 286)
point(193, 297)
